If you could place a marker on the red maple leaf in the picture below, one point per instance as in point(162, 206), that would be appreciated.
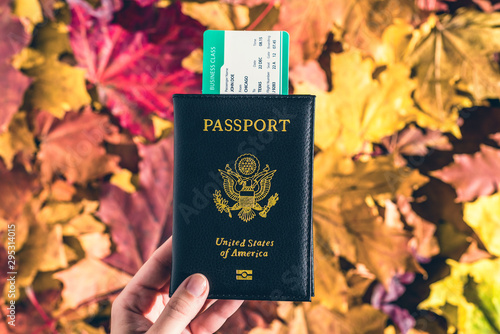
point(73, 146)
point(141, 221)
point(136, 69)
point(13, 38)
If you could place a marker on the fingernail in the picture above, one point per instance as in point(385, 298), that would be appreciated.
point(196, 285)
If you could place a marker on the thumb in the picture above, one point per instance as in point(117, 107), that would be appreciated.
point(184, 305)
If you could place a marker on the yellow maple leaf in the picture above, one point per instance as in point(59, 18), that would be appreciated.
point(450, 55)
point(346, 197)
point(57, 87)
point(360, 109)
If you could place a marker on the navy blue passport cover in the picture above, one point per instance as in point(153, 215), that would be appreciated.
point(243, 195)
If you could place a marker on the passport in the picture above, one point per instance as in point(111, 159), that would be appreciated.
point(243, 169)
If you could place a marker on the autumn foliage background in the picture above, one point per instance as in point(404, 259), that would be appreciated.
point(407, 156)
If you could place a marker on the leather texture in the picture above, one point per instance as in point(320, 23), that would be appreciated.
point(243, 199)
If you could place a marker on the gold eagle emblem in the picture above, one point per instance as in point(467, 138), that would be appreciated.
point(246, 185)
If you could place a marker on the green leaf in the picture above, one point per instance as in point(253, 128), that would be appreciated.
point(468, 298)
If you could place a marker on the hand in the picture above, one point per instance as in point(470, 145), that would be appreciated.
point(144, 306)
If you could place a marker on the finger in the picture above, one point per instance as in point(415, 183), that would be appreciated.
point(208, 303)
point(154, 276)
point(184, 305)
point(214, 317)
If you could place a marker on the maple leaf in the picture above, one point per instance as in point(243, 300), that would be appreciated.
point(483, 215)
point(13, 83)
point(135, 63)
point(361, 109)
point(57, 87)
point(141, 221)
point(467, 296)
point(346, 217)
point(73, 146)
point(473, 175)
point(80, 283)
point(439, 53)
